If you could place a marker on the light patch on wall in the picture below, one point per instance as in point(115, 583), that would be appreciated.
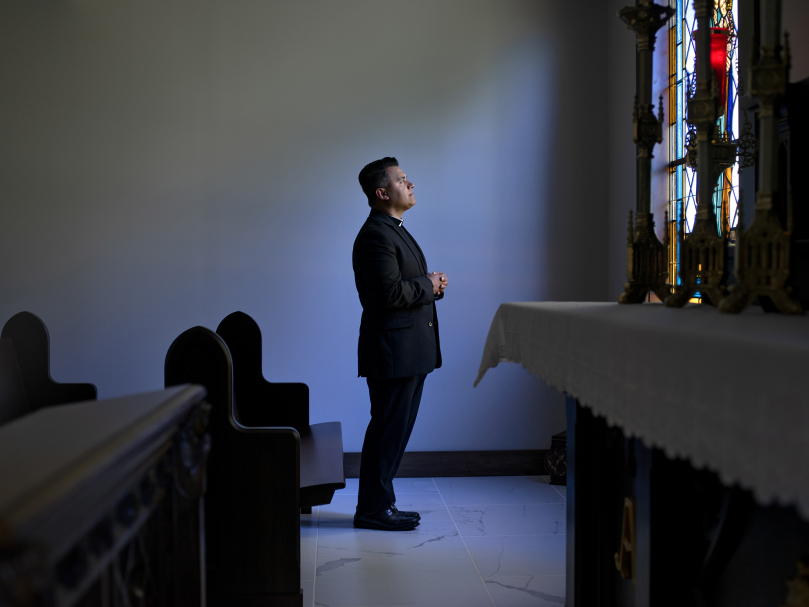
point(205, 161)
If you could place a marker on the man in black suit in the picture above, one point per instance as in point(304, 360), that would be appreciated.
point(398, 343)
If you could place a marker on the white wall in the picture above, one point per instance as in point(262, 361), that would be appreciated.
point(621, 161)
point(164, 164)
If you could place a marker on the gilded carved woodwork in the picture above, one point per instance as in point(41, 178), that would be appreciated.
point(120, 530)
point(748, 142)
point(646, 255)
point(798, 595)
point(762, 264)
point(645, 19)
point(703, 252)
point(647, 261)
point(703, 259)
point(724, 151)
point(763, 249)
point(769, 77)
point(647, 129)
point(191, 453)
point(625, 558)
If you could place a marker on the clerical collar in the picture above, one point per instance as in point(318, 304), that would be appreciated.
point(401, 221)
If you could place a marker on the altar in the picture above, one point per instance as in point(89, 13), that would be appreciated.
point(687, 430)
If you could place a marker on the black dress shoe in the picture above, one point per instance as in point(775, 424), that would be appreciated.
point(405, 513)
point(384, 520)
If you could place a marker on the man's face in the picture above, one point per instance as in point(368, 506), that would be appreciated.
point(400, 191)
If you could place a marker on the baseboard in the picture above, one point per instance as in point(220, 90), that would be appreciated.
point(425, 464)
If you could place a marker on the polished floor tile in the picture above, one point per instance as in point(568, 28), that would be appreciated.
point(518, 555)
point(539, 591)
point(414, 485)
point(308, 587)
point(308, 550)
point(440, 538)
point(512, 519)
point(488, 541)
point(405, 580)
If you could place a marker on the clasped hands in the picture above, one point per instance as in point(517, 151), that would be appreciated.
point(439, 280)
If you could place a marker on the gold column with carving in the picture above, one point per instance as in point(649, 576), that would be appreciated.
point(703, 253)
point(763, 249)
point(647, 257)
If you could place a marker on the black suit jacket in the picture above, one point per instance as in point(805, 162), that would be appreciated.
point(399, 327)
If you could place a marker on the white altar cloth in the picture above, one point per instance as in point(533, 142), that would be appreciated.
point(730, 393)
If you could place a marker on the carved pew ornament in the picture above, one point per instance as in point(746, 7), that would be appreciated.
point(647, 257)
point(109, 508)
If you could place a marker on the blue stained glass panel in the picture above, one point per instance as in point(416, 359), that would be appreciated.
point(683, 180)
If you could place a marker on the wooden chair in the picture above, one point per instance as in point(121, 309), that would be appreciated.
point(25, 379)
point(257, 462)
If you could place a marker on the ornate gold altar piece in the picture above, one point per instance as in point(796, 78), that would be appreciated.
point(763, 249)
point(723, 154)
point(798, 595)
point(647, 257)
point(703, 254)
point(625, 558)
point(647, 261)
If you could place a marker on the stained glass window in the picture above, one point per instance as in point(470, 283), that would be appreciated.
point(681, 137)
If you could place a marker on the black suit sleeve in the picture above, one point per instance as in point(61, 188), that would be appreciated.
point(377, 267)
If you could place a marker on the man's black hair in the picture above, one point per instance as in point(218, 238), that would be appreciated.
point(374, 175)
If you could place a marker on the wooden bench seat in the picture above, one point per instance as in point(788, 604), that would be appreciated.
point(322, 471)
point(266, 463)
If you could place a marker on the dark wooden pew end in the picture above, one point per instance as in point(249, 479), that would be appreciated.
point(268, 464)
point(26, 384)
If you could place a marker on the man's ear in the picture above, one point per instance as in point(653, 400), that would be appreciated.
point(381, 193)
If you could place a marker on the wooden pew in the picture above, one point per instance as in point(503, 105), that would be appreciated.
point(26, 384)
point(101, 502)
point(259, 460)
point(263, 403)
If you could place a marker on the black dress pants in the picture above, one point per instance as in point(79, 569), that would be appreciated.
point(394, 405)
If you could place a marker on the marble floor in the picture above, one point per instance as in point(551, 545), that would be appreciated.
point(486, 541)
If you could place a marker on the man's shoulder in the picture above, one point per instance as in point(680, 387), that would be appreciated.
point(374, 227)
